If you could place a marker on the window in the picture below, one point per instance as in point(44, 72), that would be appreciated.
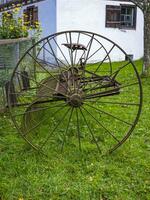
point(123, 16)
point(113, 16)
point(7, 15)
point(31, 16)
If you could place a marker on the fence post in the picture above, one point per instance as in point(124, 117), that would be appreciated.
point(11, 97)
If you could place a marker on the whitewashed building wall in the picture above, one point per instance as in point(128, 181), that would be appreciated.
point(91, 16)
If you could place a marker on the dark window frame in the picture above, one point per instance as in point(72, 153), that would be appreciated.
point(117, 11)
point(31, 16)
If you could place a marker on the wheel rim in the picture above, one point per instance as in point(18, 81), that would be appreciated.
point(66, 86)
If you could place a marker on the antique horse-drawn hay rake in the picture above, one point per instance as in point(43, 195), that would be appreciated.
point(70, 93)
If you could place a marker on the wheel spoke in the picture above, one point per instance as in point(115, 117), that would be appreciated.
point(84, 51)
point(94, 53)
point(112, 102)
point(42, 121)
point(104, 58)
point(18, 73)
point(106, 113)
point(75, 56)
point(89, 48)
point(94, 139)
point(78, 129)
point(61, 51)
point(56, 59)
point(52, 132)
point(68, 79)
point(111, 134)
point(38, 109)
point(53, 54)
point(66, 131)
point(103, 94)
point(71, 50)
point(48, 72)
point(114, 74)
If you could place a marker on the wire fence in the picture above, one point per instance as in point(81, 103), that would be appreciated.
point(11, 51)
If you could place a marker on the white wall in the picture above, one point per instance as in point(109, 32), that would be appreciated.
point(90, 16)
point(46, 16)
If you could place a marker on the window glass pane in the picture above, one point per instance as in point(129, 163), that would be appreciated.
point(123, 11)
point(129, 11)
point(128, 16)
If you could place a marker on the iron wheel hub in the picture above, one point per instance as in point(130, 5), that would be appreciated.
point(75, 100)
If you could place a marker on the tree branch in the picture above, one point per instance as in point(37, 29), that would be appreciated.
point(139, 4)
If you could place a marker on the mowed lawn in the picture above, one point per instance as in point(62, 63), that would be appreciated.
point(86, 175)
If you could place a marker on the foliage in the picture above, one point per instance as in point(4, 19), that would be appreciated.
point(13, 25)
point(76, 175)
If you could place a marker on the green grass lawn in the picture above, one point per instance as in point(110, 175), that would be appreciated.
point(86, 175)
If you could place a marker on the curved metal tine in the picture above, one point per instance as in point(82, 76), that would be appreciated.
point(90, 131)
point(41, 121)
point(66, 132)
point(78, 129)
point(109, 114)
point(104, 58)
point(75, 54)
point(47, 71)
point(51, 133)
point(109, 132)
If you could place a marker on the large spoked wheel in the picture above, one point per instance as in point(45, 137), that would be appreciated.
point(67, 91)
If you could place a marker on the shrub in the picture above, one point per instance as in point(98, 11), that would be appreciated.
point(13, 25)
